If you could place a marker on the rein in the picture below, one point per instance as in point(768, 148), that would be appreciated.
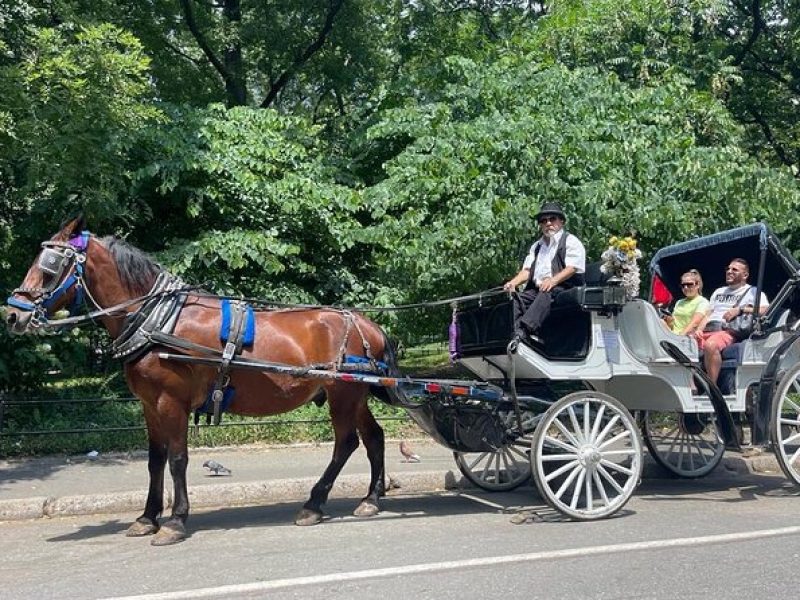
point(58, 257)
point(495, 291)
point(119, 309)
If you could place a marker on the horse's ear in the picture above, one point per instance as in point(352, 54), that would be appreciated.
point(72, 227)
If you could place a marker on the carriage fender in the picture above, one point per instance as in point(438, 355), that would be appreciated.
point(766, 390)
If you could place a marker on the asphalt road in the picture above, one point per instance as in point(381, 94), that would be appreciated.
point(718, 538)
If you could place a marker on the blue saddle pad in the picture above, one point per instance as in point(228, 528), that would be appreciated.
point(249, 336)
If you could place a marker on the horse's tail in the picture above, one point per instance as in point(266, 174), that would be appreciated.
point(382, 393)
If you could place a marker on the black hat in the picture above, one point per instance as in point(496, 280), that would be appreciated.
point(550, 208)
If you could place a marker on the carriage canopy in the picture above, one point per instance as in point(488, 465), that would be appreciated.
point(772, 266)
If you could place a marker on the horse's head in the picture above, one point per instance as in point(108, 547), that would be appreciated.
point(54, 279)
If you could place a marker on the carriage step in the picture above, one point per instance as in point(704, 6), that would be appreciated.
point(729, 398)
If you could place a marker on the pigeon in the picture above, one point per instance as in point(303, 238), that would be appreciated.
point(408, 453)
point(216, 468)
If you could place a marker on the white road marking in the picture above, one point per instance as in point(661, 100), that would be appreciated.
point(264, 586)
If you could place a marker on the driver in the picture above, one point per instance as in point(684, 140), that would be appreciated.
point(556, 262)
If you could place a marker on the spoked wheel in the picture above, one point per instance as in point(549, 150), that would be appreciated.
point(785, 423)
point(686, 444)
point(509, 466)
point(587, 456)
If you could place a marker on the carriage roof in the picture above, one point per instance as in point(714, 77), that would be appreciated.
point(710, 254)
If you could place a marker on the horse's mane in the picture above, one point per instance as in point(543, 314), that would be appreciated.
point(136, 270)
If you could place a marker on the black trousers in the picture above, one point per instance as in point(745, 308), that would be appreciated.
point(531, 307)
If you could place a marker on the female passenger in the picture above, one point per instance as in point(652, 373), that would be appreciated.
point(690, 310)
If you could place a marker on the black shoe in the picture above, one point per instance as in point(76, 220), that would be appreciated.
point(522, 335)
point(518, 336)
point(535, 339)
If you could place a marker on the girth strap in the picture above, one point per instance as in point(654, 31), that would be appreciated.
point(237, 312)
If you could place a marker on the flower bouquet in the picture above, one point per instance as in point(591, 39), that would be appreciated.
point(620, 260)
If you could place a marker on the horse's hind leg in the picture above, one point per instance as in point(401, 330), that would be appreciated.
point(372, 436)
point(345, 443)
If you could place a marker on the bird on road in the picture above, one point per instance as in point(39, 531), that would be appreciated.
point(408, 453)
point(216, 468)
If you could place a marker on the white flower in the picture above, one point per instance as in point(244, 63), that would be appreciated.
point(623, 264)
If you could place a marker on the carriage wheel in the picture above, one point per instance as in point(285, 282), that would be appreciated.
point(785, 423)
point(587, 456)
point(509, 466)
point(685, 444)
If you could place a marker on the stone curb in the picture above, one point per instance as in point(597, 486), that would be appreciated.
point(217, 495)
point(297, 490)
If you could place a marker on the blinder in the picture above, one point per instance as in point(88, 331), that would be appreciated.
point(55, 260)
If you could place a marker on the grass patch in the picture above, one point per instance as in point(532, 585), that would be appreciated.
point(109, 420)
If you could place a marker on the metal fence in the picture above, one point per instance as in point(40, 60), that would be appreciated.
point(6, 405)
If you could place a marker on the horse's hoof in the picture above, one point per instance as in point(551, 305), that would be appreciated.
point(366, 509)
point(141, 528)
point(169, 534)
point(308, 517)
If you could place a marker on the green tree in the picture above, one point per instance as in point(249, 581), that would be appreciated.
point(454, 209)
point(745, 53)
point(245, 200)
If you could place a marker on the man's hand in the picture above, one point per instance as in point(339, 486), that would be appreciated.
point(731, 313)
point(547, 284)
point(510, 286)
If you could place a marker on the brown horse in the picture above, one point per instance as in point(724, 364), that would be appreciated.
point(110, 273)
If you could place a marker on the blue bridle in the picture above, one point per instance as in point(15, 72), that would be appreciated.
point(55, 259)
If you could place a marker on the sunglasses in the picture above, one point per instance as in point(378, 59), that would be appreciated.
point(691, 284)
point(545, 220)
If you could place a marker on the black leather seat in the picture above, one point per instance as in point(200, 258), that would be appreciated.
point(487, 328)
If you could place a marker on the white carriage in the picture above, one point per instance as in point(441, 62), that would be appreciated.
point(564, 411)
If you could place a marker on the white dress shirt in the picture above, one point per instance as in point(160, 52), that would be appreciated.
point(575, 256)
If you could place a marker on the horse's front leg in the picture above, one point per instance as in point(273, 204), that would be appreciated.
point(147, 524)
point(175, 420)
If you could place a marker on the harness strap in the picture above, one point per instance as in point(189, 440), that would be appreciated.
point(366, 345)
point(237, 315)
point(348, 320)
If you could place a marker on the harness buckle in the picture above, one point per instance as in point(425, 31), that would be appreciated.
point(216, 398)
point(38, 319)
point(229, 352)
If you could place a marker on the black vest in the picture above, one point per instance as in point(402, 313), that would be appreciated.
point(558, 265)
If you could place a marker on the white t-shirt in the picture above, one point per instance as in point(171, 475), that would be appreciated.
point(725, 298)
point(575, 256)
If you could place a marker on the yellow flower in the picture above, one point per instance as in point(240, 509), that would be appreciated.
point(623, 245)
point(613, 240)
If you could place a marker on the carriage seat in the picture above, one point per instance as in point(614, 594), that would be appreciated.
point(485, 328)
point(643, 331)
point(760, 349)
point(567, 331)
point(574, 298)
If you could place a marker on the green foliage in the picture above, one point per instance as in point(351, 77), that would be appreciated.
point(454, 208)
point(744, 53)
point(31, 362)
point(250, 204)
point(405, 155)
point(77, 108)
